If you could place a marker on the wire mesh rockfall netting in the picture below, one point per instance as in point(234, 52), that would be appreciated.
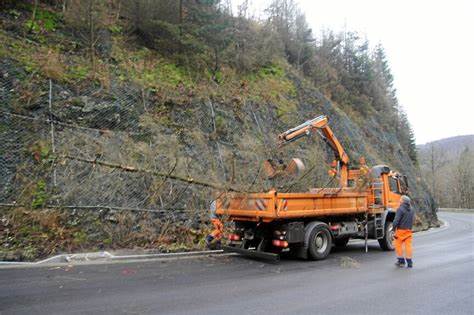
point(121, 167)
point(117, 149)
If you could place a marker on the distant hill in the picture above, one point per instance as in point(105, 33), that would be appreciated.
point(447, 166)
point(451, 147)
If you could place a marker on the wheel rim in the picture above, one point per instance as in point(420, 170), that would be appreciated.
point(391, 235)
point(321, 241)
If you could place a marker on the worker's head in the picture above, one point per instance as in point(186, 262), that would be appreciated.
point(405, 199)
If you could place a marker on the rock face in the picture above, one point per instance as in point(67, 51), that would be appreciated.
point(207, 140)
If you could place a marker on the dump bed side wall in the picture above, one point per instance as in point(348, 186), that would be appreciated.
point(273, 206)
point(293, 205)
point(248, 206)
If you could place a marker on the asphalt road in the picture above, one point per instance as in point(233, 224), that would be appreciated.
point(348, 282)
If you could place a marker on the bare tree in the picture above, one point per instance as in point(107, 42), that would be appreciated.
point(463, 181)
point(33, 15)
point(436, 161)
point(87, 18)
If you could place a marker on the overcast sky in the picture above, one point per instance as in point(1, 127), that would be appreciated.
point(430, 47)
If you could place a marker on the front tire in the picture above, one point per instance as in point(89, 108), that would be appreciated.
point(386, 243)
point(320, 242)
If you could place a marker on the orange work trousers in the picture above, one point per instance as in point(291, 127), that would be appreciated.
point(403, 238)
point(218, 229)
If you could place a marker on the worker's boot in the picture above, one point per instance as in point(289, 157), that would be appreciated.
point(400, 262)
point(209, 240)
point(218, 244)
point(409, 263)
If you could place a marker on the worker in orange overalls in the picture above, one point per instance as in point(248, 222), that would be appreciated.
point(402, 226)
point(218, 231)
point(332, 172)
point(363, 179)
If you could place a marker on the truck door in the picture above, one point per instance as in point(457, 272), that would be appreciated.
point(394, 193)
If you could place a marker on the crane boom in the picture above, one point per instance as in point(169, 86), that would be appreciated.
point(321, 125)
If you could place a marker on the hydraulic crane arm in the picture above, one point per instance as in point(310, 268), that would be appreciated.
point(320, 124)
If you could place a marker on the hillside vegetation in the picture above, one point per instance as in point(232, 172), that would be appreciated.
point(448, 166)
point(152, 106)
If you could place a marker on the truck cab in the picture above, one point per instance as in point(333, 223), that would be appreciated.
point(387, 186)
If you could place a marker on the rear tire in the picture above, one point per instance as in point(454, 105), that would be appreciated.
point(386, 243)
point(320, 242)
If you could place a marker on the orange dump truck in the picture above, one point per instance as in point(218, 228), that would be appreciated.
point(309, 223)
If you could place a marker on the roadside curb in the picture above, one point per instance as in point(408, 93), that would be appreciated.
point(456, 210)
point(444, 225)
point(104, 257)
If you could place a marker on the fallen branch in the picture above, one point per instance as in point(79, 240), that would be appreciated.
point(116, 208)
point(132, 169)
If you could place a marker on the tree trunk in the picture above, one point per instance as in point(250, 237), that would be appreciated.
point(91, 34)
point(33, 16)
point(216, 64)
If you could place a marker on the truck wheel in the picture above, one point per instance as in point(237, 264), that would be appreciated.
point(341, 242)
point(320, 242)
point(386, 243)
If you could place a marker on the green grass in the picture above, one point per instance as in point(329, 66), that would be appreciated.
point(40, 195)
point(149, 69)
point(78, 72)
point(44, 21)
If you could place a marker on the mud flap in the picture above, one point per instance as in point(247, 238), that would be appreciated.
point(252, 253)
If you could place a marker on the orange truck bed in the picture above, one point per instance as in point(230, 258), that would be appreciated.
point(272, 206)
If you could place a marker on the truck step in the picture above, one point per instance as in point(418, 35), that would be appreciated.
point(379, 233)
point(378, 226)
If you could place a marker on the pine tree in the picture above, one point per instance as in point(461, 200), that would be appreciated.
point(406, 135)
point(213, 25)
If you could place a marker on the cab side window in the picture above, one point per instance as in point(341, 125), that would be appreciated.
point(393, 185)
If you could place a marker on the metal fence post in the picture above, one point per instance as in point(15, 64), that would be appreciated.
point(53, 146)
